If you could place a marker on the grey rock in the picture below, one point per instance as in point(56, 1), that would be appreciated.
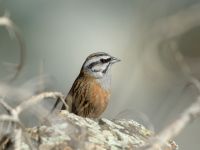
point(67, 131)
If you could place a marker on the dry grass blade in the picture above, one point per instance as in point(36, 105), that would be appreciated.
point(5, 142)
point(6, 106)
point(177, 126)
point(18, 137)
point(13, 115)
point(35, 99)
point(19, 128)
point(191, 113)
point(4, 118)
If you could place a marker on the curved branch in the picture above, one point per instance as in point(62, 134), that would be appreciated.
point(13, 30)
point(35, 99)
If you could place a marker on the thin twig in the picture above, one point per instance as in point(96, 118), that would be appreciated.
point(6, 106)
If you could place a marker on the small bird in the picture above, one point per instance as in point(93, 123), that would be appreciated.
point(90, 92)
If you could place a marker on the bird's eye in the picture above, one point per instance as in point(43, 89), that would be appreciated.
point(105, 60)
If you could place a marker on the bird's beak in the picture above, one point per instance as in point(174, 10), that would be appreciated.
point(114, 60)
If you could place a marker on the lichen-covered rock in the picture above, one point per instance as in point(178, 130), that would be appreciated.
point(68, 131)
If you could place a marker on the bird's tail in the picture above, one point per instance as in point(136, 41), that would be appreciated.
point(55, 105)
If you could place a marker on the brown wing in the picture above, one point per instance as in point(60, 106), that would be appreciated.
point(82, 103)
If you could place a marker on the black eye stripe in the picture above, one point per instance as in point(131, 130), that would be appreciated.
point(90, 66)
point(105, 60)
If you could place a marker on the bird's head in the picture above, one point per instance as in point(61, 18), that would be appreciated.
point(98, 64)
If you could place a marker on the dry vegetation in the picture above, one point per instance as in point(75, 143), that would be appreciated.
point(12, 129)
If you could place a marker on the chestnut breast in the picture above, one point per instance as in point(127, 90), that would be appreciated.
point(100, 98)
point(90, 99)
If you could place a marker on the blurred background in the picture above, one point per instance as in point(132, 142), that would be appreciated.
point(147, 86)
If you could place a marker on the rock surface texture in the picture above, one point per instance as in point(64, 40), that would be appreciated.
point(67, 131)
